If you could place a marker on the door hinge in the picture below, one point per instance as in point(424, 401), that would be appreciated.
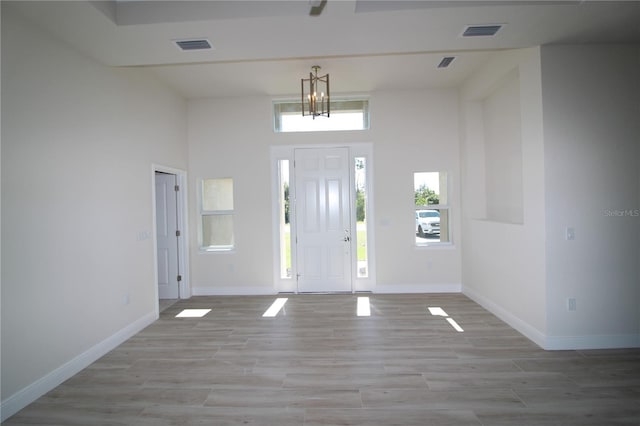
point(179, 278)
point(177, 233)
point(176, 188)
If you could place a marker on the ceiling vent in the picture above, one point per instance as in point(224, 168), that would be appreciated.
point(481, 30)
point(446, 61)
point(194, 44)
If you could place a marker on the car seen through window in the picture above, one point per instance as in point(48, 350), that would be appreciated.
point(427, 222)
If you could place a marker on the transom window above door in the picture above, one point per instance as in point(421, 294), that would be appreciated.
point(346, 114)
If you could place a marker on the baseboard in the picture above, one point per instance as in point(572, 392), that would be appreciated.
point(523, 327)
point(418, 288)
point(232, 291)
point(381, 289)
point(35, 390)
point(592, 342)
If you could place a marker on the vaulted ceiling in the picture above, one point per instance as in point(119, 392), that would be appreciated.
point(264, 47)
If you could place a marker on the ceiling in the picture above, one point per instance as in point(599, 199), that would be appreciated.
point(264, 47)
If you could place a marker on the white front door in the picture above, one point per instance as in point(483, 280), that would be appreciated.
point(323, 219)
point(167, 237)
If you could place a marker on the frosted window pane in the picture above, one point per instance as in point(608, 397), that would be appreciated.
point(217, 194)
point(217, 230)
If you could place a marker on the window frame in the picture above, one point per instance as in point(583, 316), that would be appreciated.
point(439, 207)
point(339, 105)
point(202, 213)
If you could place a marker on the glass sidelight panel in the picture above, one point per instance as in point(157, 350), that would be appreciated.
point(361, 219)
point(285, 222)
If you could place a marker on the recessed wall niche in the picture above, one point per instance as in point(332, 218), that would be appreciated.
point(501, 122)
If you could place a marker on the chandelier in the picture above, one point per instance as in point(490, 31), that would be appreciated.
point(315, 94)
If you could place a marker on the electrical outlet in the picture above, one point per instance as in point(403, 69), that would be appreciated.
point(571, 304)
point(571, 234)
point(125, 299)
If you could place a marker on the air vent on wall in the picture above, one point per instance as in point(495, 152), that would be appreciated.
point(194, 44)
point(481, 30)
point(446, 61)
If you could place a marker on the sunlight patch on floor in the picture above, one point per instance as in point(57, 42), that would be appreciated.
point(193, 313)
point(455, 325)
point(275, 307)
point(438, 311)
point(363, 308)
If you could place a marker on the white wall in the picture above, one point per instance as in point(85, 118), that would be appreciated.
point(414, 132)
point(503, 263)
point(78, 143)
point(410, 131)
point(591, 98)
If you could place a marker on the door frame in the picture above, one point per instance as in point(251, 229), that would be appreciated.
point(356, 150)
point(184, 288)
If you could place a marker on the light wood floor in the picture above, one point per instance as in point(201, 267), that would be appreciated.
point(316, 363)
point(163, 304)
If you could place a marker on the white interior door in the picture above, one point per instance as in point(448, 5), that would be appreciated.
point(167, 237)
point(323, 219)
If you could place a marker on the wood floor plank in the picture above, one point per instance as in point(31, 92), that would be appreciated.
point(390, 417)
point(495, 380)
point(180, 415)
point(558, 416)
point(284, 398)
point(354, 381)
point(440, 400)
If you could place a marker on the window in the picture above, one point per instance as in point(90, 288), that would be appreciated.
point(432, 216)
point(216, 212)
point(350, 114)
point(284, 219)
point(361, 219)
